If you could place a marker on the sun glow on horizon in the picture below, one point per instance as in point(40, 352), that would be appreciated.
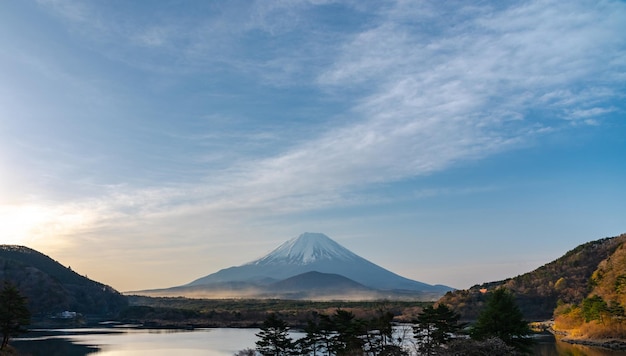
point(31, 224)
point(19, 224)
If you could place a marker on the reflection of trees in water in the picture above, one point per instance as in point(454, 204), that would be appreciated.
point(564, 348)
point(53, 347)
point(59, 346)
point(548, 346)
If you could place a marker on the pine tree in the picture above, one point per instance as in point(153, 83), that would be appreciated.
point(349, 330)
point(14, 313)
point(434, 327)
point(274, 338)
point(318, 336)
point(380, 334)
point(503, 319)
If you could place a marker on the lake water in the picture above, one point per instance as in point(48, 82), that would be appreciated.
point(133, 342)
point(122, 341)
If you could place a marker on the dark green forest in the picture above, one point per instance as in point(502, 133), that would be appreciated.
point(53, 288)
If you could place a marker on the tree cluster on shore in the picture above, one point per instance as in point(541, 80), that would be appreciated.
point(51, 287)
point(337, 334)
point(500, 330)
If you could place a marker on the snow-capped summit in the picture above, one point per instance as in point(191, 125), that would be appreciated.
point(306, 249)
point(314, 252)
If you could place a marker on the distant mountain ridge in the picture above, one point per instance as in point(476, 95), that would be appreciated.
point(567, 279)
point(52, 288)
point(309, 252)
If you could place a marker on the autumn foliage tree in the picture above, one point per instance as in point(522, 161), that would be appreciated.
point(601, 314)
point(565, 280)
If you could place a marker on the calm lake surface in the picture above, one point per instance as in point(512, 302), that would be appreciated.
point(123, 341)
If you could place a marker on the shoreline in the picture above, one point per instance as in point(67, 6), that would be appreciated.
point(610, 344)
point(110, 327)
point(189, 325)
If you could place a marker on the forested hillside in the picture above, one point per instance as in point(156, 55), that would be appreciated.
point(52, 288)
point(564, 280)
point(601, 315)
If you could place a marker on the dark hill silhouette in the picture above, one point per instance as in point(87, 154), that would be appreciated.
point(318, 281)
point(52, 288)
point(537, 293)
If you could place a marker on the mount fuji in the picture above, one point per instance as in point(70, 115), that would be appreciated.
point(314, 266)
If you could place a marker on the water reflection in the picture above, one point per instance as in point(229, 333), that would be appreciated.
point(217, 342)
point(135, 342)
point(580, 350)
point(547, 346)
point(52, 347)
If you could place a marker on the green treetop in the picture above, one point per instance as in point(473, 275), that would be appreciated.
point(274, 338)
point(502, 318)
point(434, 327)
point(14, 313)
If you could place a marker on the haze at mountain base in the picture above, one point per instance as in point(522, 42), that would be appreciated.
point(296, 259)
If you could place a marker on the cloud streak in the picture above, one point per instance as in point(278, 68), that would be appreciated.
point(466, 94)
point(420, 104)
point(400, 91)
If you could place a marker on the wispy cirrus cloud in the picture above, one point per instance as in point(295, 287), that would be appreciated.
point(202, 37)
point(189, 121)
point(425, 92)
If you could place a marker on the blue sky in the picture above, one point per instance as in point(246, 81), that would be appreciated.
point(147, 144)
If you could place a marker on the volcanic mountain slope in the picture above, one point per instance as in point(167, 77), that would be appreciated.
point(317, 252)
point(52, 288)
point(298, 257)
